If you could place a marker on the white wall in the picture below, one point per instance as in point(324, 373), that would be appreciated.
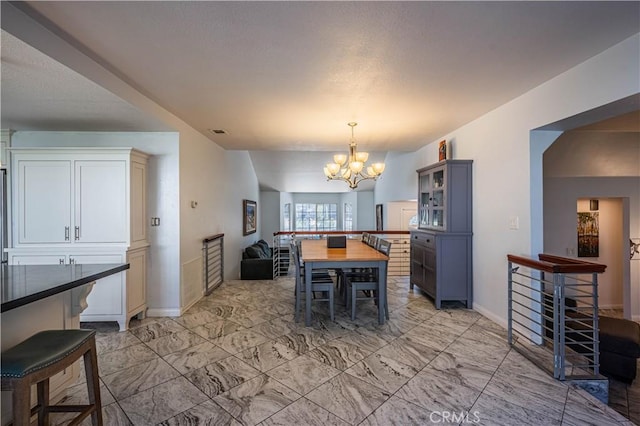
point(270, 214)
point(202, 179)
point(365, 212)
point(235, 191)
point(163, 192)
point(499, 144)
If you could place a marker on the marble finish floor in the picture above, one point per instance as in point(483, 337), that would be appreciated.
point(237, 357)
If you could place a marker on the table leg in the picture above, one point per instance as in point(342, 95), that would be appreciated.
point(308, 268)
point(382, 291)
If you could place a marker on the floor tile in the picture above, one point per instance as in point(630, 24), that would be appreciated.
point(195, 357)
point(139, 377)
point(174, 342)
point(113, 361)
point(220, 376)
point(267, 356)
point(348, 397)
point(498, 412)
point(115, 341)
point(239, 341)
point(162, 402)
point(437, 391)
point(303, 374)
point(397, 411)
point(338, 354)
point(256, 399)
point(303, 413)
point(409, 352)
point(217, 328)
point(207, 413)
point(385, 373)
point(192, 320)
point(157, 329)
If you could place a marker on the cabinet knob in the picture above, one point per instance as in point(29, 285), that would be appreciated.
point(77, 233)
point(61, 261)
point(66, 233)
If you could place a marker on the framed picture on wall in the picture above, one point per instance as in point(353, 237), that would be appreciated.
point(378, 217)
point(249, 217)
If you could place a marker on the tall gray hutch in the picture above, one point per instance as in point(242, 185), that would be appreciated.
point(441, 247)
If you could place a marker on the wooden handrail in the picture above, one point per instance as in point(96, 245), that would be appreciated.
point(558, 264)
point(211, 238)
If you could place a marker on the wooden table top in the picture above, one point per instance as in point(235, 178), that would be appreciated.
point(317, 251)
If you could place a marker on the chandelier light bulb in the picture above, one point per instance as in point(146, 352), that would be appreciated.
point(356, 166)
point(340, 159)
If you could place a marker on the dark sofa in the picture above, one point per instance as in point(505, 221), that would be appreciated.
point(257, 262)
point(619, 341)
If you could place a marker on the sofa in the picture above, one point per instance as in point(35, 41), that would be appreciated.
point(257, 262)
point(619, 340)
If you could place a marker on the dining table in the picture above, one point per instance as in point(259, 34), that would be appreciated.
point(316, 255)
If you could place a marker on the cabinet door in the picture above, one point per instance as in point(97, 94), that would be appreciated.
point(138, 202)
point(417, 264)
point(38, 259)
point(136, 279)
point(100, 202)
point(106, 297)
point(43, 211)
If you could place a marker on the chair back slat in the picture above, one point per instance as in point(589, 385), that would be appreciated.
point(384, 246)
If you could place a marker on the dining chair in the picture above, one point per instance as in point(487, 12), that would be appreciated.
point(368, 282)
point(320, 282)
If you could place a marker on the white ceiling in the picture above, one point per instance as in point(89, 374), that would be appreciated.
point(288, 76)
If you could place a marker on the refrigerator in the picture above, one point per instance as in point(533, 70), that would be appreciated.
point(3, 212)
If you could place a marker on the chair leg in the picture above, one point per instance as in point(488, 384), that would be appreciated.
point(93, 383)
point(353, 302)
point(43, 402)
point(298, 301)
point(21, 403)
point(331, 309)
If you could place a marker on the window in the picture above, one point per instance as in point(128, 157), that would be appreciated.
point(286, 217)
point(316, 217)
point(348, 217)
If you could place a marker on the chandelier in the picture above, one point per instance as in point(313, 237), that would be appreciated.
point(350, 168)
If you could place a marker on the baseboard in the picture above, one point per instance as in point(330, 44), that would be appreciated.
point(160, 312)
point(490, 315)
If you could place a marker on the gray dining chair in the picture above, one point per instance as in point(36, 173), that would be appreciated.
point(320, 282)
point(367, 282)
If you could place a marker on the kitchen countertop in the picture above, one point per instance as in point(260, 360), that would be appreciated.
point(24, 284)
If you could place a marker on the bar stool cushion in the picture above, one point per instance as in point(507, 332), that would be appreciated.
point(41, 350)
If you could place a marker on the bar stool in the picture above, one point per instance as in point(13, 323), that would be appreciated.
point(38, 358)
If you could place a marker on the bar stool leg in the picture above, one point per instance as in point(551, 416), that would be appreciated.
point(21, 403)
point(43, 402)
point(93, 383)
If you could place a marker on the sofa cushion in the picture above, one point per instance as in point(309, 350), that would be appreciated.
point(265, 247)
point(620, 336)
point(254, 252)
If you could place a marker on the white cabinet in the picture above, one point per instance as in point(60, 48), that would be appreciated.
point(85, 205)
point(42, 213)
point(100, 201)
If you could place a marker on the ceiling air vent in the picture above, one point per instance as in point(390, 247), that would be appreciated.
point(217, 131)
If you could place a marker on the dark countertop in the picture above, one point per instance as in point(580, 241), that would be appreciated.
point(24, 284)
